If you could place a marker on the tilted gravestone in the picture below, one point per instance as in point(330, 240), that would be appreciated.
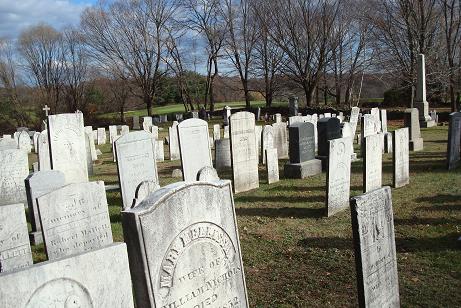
point(194, 146)
point(15, 250)
point(243, 151)
point(281, 139)
point(38, 184)
point(338, 175)
point(101, 133)
point(400, 157)
point(372, 163)
point(454, 140)
point(173, 142)
point(74, 219)
point(14, 168)
point(412, 122)
point(302, 162)
point(267, 141)
point(67, 146)
point(135, 163)
point(184, 248)
point(98, 278)
point(44, 161)
point(272, 166)
point(374, 245)
point(222, 154)
point(24, 142)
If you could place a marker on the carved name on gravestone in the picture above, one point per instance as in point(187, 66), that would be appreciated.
point(184, 248)
point(44, 161)
point(159, 151)
point(374, 245)
point(400, 157)
point(173, 142)
point(101, 133)
point(194, 145)
point(38, 184)
point(67, 146)
point(338, 175)
point(281, 139)
point(24, 142)
point(243, 149)
point(75, 219)
point(267, 141)
point(15, 250)
point(99, 278)
point(14, 168)
point(272, 166)
point(135, 162)
point(411, 121)
point(454, 139)
point(222, 154)
point(372, 163)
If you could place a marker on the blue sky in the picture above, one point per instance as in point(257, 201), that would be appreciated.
point(16, 15)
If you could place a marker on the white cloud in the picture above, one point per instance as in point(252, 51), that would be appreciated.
point(16, 15)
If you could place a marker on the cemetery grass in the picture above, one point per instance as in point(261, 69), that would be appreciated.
point(296, 257)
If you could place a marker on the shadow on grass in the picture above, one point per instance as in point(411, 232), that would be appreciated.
point(425, 221)
point(279, 199)
point(440, 198)
point(283, 212)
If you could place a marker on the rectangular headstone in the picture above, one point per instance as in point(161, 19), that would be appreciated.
point(112, 133)
point(75, 219)
point(24, 142)
point(44, 161)
point(14, 168)
point(99, 278)
point(354, 119)
point(454, 140)
point(222, 154)
point(173, 141)
point(147, 123)
point(67, 146)
point(281, 139)
point(243, 150)
point(135, 153)
point(101, 135)
point(216, 132)
point(15, 250)
point(159, 151)
point(328, 129)
point(400, 157)
point(383, 114)
point(411, 121)
point(338, 175)
point(267, 141)
point(183, 240)
point(136, 122)
point(8, 144)
point(372, 163)
point(374, 245)
point(272, 166)
point(302, 142)
point(155, 131)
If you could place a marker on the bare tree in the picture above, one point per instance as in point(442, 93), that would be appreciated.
point(8, 70)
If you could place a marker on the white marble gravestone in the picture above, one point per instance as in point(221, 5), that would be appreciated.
point(372, 163)
point(338, 175)
point(125, 130)
point(374, 245)
point(267, 141)
point(24, 142)
point(272, 165)
point(89, 156)
point(99, 278)
point(8, 144)
point(243, 152)
point(15, 250)
point(101, 133)
point(154, 130)
point(44, 161)
point(400, 157)
point(112, 133)
point(89, 131)
point(159, 151)
point(143, 190)
point(207, 174)
point(354, 119)
point(216, 132)
point(67, 146)
point(74, 219)
point(14, 168)
point(173, 141)
point(183, 240)
point(258, 137)
point(281, 139)
point(147, 124)
point(420, 100)
point(136, 122)
point(412, 122)
point(135, 162)
point(194, 146)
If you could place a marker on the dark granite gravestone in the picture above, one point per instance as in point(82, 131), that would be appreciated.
point(454, 139)
point(293, 105)
point(327, 129)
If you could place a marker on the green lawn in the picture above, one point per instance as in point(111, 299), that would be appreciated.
point(296, 257)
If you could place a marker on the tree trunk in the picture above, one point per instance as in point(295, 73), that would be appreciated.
point(122, 113)
point(247, 95)
point(148, 102)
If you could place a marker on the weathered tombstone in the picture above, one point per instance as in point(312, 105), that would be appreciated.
point(74, 219)
point(216, 132)
point(143, 190)
point(258, 137)
point(434, 116)
point(280, 132)
point(101, 135)
point(183, 240)
point(136, 122)
point(99, 278)
point(147, 124)
point(89, 131)
point(67, 146)
point(226, 115)
point(272, 165)
point(278, 118)
point(24, 142)
point(295, 119)
point(346, 132)
point(338, 175)
point(159, 152)
point(368, 128)
point(243, 151)
point(258, 114)
point(95, 135)
point(412, 122)
point(327, 115)
point(15, 250)
point(155, 131)
point(420, 101)
point(44, 161)
point(226, 132)
point(14, 168)
point(135, 153)
point(400, 157)
point(125, 129)
point(374, 245)
point(35, 141)
point(173, 141)
point(293, 105)
point(376, 115)
point(112, 133)
point(176, 173)
point(354, 119)
point(267, 141)
point(328, 128)
point(372, 163)
point(8, 144)
point(207, 174)
point(302, 162)
point(222, 154)
point(89, 157)
point(454, 140)
point(38, 184)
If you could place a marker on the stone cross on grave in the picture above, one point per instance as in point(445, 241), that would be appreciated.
point(46, 109)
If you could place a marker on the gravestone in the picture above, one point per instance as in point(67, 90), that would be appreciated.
point(159, 151)
point(243, 151)
point(278, 118)
point(226, 132)
point(368, 126)
point(420, 101)
point(75, 219)
point(295, 119)
point(328, 128)
point(346, 132)
point(400, 157)
point(135, 153)
point(293, 105)
point(14, 168)
point(44, 161)
point(376, 115)
point(454, 140)
point(89, 158)
point(39, 184)
point(412, 122)
point(67, 146)
point(89, 130)
point(280, 132)
point(222, 154)
point(302, 162)
point(112, 133)
point(125, 129)
point(173, 141)
point(99, 278)
point(374, 245)
point(272, 166)
point(101, 135)
point(143, 190)
point(15, 250)
point(372, 163)
point(258, 114)
point(177, 173)
point(354, 119)
point(338, 175)
point(258, 137)
point(147, 124)
point(216, 132)
point(267, 141)
point(327, 115)
point(207, 174)
point(226, 115)
point(194, 146)
point(183, 240)
point(24, 142)
point(8, 144)
point(155, 131)
point(136, 122)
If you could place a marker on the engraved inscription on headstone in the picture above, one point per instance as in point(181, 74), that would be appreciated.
point(372, 163)
point(272, 166)
point(400, 157)
point(14, 168)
